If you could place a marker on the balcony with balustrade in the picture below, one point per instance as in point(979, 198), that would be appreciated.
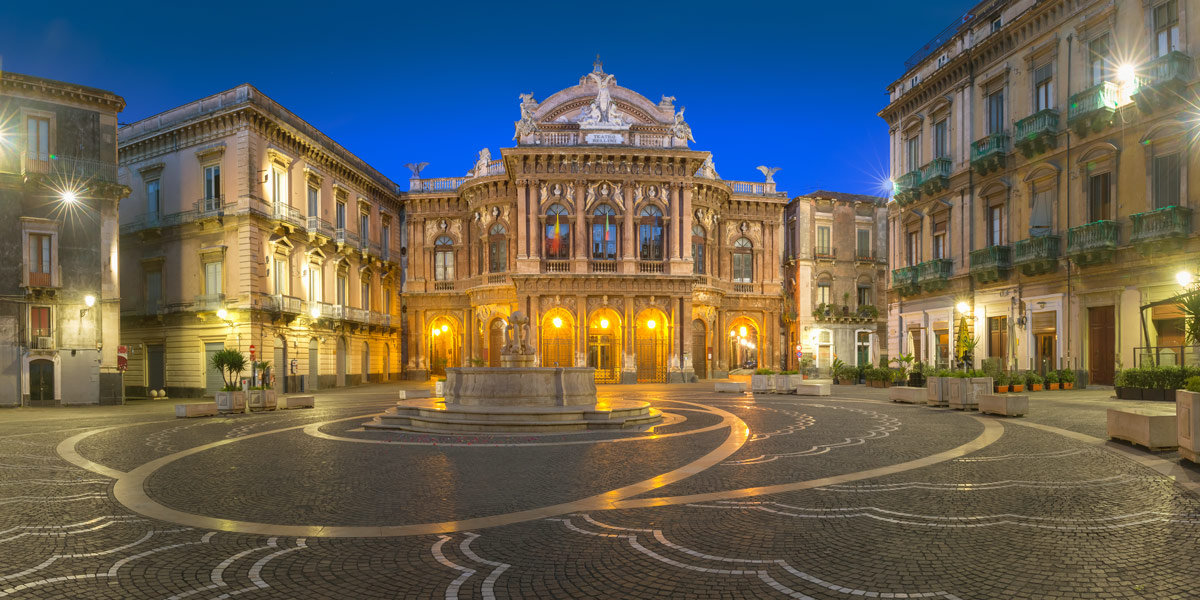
point(355, 315)
point(990, 153)
point(1037, 133)
point(556, 266)
point(1163, 81)
point(991, 264)
point(283, 216)
point(153, 222)
point(210, 208)
point(1037, 255)
point(1161, 230)
point(934, 275)
point(650, 266)
point(67, 170)
point(1092, 110)
point(1094, 243)
point(825, 253)
point(318, 229)
point(602, 266)
point(208, 302)
point(345, 238)
point(935, 176)
point(904, 281)
point(907, 188)
point(754, 188)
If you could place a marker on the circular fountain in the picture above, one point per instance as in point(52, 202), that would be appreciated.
point(517, 397)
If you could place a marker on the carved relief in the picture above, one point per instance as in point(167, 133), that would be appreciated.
point(547, 303)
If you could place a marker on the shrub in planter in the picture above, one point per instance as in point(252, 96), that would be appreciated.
point(1067, 377)
point(1002, 381)
point(1052, 380)
point(1034, 381)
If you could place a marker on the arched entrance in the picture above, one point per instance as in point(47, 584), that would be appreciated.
point(604, 345)
point(558, 339)
point(41, 381)
point(279, 370)
point(341, 362)
point(314, 364)
point(366, 363)
point(699, 349)
point(443, 346)
point(650, 339)
point(495, 341)
point(744, 344)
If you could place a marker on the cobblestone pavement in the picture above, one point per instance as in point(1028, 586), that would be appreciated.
point(734, 497)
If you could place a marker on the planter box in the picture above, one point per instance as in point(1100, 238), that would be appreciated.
point(1035, 387)
point(1154, 429)
point(762, 383)
point(1009, 405)
point(263, 399)
point(933, 390)
point(1169, 395)
point(231, 401)
point(1155, 395)
point(1053, 386)
point(727, 387)
point(907, 395)
point(1068, 385)
point(966, 396)
point(290, 402)
point(811, 388)
point(439, 389)
point(1002, 389)
point(422, 393)
point(786, 384)
point(199, 409)
point(1187, 411)
point(1017, 389)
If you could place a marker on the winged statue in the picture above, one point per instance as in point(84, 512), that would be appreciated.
point(769, 172)
point(416, 168)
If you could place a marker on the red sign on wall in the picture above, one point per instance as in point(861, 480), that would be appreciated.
point(122, 358)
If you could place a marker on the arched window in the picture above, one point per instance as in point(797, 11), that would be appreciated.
point(604, 233)
point(698, 249)
point(743, 261)
point(650, 238)
point(558, 233)
point(497, 249)
point(443, 259)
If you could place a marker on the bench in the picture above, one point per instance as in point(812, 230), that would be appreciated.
point(1187, 406)
point(808, 388)
point(198, 409)
point(1154, 429)
point(298, 402)
point(1008, 405)
point(729, 387)
point(415, 394)
point(907, 395)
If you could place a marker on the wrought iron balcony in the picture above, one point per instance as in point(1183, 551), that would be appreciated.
point(1163, 81)
point(935, 274)
point(990, 153)
point(1037, 133)
point(210, 208)
point(151, 221)
point(1162, 229)
point(1092, 110)
point(344, 237)
point(904, 281)
point(66, 168)
point(1094, 243)
point(908, 187)
point(1037, 255)
point(991, 264)
point(935, 176)
point(209, 302)
point(318, 227)
point(824, 253)
point(356, 315)
point(283, 214)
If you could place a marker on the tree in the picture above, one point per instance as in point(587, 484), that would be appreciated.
point(230, 363)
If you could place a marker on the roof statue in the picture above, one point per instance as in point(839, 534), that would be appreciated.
point(708, 170)
point(680, 128)
point(769, 172)
point(416, 168)
point(481, 164)
point(602, 111)
point(527, 124)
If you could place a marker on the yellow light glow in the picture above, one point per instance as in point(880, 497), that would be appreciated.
point(963, 307)
point(557, 322)
point(445, 328)
point(89, 300)
point(1184, 278)
point(650, 324)
point(315, 312)
point(603, 323)
point(437, 332)
point(1127, 74)
point(732, 333)
point(742, 331)
point(68, 196)
point(222, 314)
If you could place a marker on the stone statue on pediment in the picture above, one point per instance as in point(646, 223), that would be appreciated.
point(543, 193)
point(591, 195)
point(618, 194)
point(680, 129)
point(708, 170)
point(526, 125)
point(481, 164)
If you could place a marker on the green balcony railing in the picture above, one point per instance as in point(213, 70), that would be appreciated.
point(1037, 132)
point(908, 187)
point(1173, 66)
point(1036, 255)
point(934, 274)
point(1092, 109)
point(1152, 229)
point(988, 154)
point(1163, 82)
point(991, 264)
point(935, 176)
point(1093, 243)
point(904, 280)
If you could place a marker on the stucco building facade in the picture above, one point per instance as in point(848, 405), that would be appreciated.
point(621, 244)
point(248, 228)
point(1045, 179)
point(59, 293)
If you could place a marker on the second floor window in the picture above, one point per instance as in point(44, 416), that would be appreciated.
point(37, 138)
point(385, 237)
point(1166, 27)
point(913, 152)
point(1166, 181)
point(1043, 87)
point(497, 249)
point(314, 201)
point(864, 295)
point(995, 217)
point(913, 248)
point(604, 233)
point(941, 139)
point(650, 239)
point(39, 260)
point(341, 290)
point(1100, 197)
point(278, 186)
point(823, 248)
point(365, 294)
point(315, 274)
point(1098, 59)
point(153, 291)
point(863, 247)
point(341, 215)
point(698, 249)
point(39, 321)
point(364, 225)
point(558, 233)
point(281, 276)
point(214, 272)
point(823, 293)
point(152, 203)
point(212, 187)
point(743, 261)
point(443, 259)
point(995, 108)
point(939, 240)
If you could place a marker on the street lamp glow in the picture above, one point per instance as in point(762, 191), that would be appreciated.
point(315, 312)
point(557, 322)
point(437, 332)
point(68, 197)
point(603, 323)
point(89, 300)
point(222, 314)
point(445, 328)
point(650, 324)
point(963, 307)
point(1126, 74)
point(742, 331)
point(1184, 278)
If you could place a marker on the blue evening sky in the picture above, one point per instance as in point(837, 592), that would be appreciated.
point(795, 85)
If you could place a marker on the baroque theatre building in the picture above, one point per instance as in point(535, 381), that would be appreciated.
point(621, 244)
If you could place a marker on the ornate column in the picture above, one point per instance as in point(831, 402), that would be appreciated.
point(685, 338)
point(628, 245)
point(685, 222)
point(468, 337)
point(579, 239)
point(535, 328)
point(628, 360)
point(581, 327)
point(719, 341)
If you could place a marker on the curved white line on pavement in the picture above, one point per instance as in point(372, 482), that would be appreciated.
point(218, 573)
point(75, 498)
point(489, 584)
point(887, 425)
point(37, 530)
point(256, 571)
point(975, 487)
point(55, 481)
point(1056, 454)
point(452, 590)
point(55, 558)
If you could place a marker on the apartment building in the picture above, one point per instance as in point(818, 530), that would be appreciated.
point(59, 294)
point(248, 228)
point(1043, 165)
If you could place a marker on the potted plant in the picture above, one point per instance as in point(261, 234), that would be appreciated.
point(763, 380)
point(230, 363)
point(786, 382)
point(838, 370)
point(904, 362)
point(1120, 385)
point(806, 364)
point(1052, 380)
point(1067, 377)
point(1034, 381)
point(1002, 381)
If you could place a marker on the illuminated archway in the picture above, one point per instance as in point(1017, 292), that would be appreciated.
point(495, 341)
point(443, 345)
point(699, 349)
point(557, 345)
point(604, 345)
point(651, 344)
point(745, 344)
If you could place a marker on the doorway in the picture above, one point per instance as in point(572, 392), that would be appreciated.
point(314, 364)
point(41, 382)
point(699, 349)
point(604, 346)
point(341, 362)
point(558, 339)
point(366, 363)
point(1101, 344)
point(213, 381)
point(495, 341)
point(278, 372)
point(651, 346)
point(156, 367)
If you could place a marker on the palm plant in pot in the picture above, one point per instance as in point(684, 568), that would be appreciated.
point(230, 363)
